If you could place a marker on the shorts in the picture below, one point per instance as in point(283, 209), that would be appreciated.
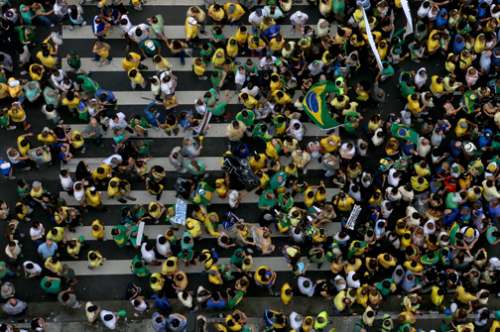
point(19, 121)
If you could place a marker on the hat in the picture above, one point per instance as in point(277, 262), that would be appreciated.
point(36, 184)
point(469, 147)
point(463, 124)
point(407, 115)
point(231, 9)
point(383, 162)
point(299, 13)
point(455, 169)
point(316, 63)
point(150, 45)
point(469, 233)
point(423, 197)
point(192, 21)
point(491, 167)
point(259, 11)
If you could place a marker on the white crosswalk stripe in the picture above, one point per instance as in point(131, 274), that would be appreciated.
point(168, 197)
point(153, 230)
point(216, 130)
point(122, 267)
point(172, 32)
point(212, 164)
point(116, 65)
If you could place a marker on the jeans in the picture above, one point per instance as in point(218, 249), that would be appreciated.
point(236, 22)
point(9, 273)
point(98, 141)
point(22, 164)
point(44, 20)
point(273, 52)
point(254, 29)
point(181, 54)
point(21, 98)
point(141, 66)
point(97, 58)
point(57, 19)
point(38, 242)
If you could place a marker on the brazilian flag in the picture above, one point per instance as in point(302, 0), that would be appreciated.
point(468, 100)
point(315, 104)
point(404, 132)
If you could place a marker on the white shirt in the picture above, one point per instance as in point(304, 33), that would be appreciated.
point(121, 122)
point(66, 182)
point(299, 20)
point(201, 109)
point(25, 57)
point(163, 249)
point(316, 70)
point(264, 64)
point(109, 163)
point(240, 78)
point(347, 152)
point(423, 12)
point(351, 283)
point(148, 256)
point(166, 87)
point(254, 18)
point(309, 291)
point(128, 26)
point(36, 268)
point(295, 325)
point(36, 232)
point(404, 120)
point(299, 134)
point(391, 196)
point(254, 92)
point(79, 194)
point(391, 179)
point(355, 196)
point(60, 10)
point(111, 323)
point(132, 31)
point(142, 307)
point(58, 79)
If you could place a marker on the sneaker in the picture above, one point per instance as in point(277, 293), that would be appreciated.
point(27, 219)
point(127, 48)
point(292, 32)
point(11, 128)
point(304, 171)
point(71, 28)
point(12, 177)
point(104, 239)
point(156, 222)
point(195, 309)
point(24, 72)
point(156, 128)
point(202, 78)
point(22, 235)
point(187, 264)
point(116, 107)
point(184, 170)
point(110, 30)
point(94, 59)
point(104, 133)
point(83, 150)
point(81, 2)
point(107, 62)
point(84, 23)
point(60, 122)
point(194, 263)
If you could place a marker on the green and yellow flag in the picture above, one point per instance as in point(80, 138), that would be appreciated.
point(404, 132)
point(315, 104)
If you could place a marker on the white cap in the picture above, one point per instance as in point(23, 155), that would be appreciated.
point(469, 147)
point(192, 21)
point(299, 13)
point(150, 45)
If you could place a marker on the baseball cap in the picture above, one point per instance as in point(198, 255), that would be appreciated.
point(259, 11)
point(469, 147)
point(150, 45)
point(469, 233)
point(231, 9)
point(463, 124)
point(299, 13)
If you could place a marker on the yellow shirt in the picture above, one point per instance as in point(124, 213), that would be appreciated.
point(113, 191)
point(128, 65)
point(284, 100)
point(98, 176)
point(157, 285)
point(219, 14)
point(74, 103)
point(437, 299)
point(432, 44)
point(18, 117)
point(286, 299)
point(199, 70)
point(138, 79)
point(22, 150)
point(33, 75)
point(100, 233)
point(413, 106)
point(58, 237)
point(49, 140)
point(459, 131)
point(77, 144)
point(255, 46)
point(165, 270)
point(48, 62)
point(436, 87)
point(191, 32)
point(250, 103)
point(237, 11)
point(464, 296)
point(163, 65)
point(57, 267)
point(93, 200)
point(240, 37)
point(328, 147)
point(231, 50)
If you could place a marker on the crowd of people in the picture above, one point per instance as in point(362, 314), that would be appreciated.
point(429, 202)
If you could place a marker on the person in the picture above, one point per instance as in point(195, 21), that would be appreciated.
point(68, 299)
point(15, 307)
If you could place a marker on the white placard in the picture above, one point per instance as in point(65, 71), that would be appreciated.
point(409, 24)
point(371, 41)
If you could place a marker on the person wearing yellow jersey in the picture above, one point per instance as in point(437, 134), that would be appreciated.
point(220, 188)
point(101, 51)
point(211, 224)
point(214, 275)
point(191, 25)
point(77, 140)
point(276, 45)
point(199, 68)
point(170, 267)
point(36, 72)
point(330, 143)
point(462, 127)
point(255, 44)
point(131, 61)
point(386, 261)
point(433, 42)
point(18, 115)
point(98, 230)
point(113, 187)
point(463, 296)
point(276, 82)
point(280, 97)
point(216, 12)
point(232, 48)
point(382, 49)
point(57, 234)
point(100, 173)
point(23, 144)
point(287, 294)
point(72, 100)
point(258, 162)
point(249, 101)
point(437, 86)
point(136, 78)
point(160, 62)
point(343, 202)
point(193, 227)
point(155, 210)
point(47, 59)
point(156, 281)
point(94, 199)
point(234, 12)
point(53, 264)
point(437, 297)
point(219, 58)
point(241, 38)
point(414, 105)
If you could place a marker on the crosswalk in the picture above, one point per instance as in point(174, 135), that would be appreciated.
point(112, 77)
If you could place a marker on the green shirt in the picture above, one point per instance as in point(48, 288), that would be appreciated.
point(263, 201)
point(217, 37)
point(147, 50)
point(385, 291)
point(219, 109)
point(388, 71)
point(348, 125)
point(237, 260)
point(406, 90)
point(142, 271)
point(122, 238)
point(248, 121)
point(216, 80)
point(74, 62)
point(158, 27)
point(207, 53)
point(4, 270)
point(253, 70)
point(55, 286)
point(89, 85)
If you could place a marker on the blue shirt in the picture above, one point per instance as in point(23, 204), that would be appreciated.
point(110, 96)
point(454, 152)
point(159, 327)
point(97, 27)
point(181, 326)
point(114, 14)
point(5, 168)
point(162, 303)
point(494, 212)
point(220, 305)
point(448, 219)
point(458, 47)
point(47, 252)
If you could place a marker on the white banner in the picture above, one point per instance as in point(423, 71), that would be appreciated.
point(409, 23)
point(371, 41)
